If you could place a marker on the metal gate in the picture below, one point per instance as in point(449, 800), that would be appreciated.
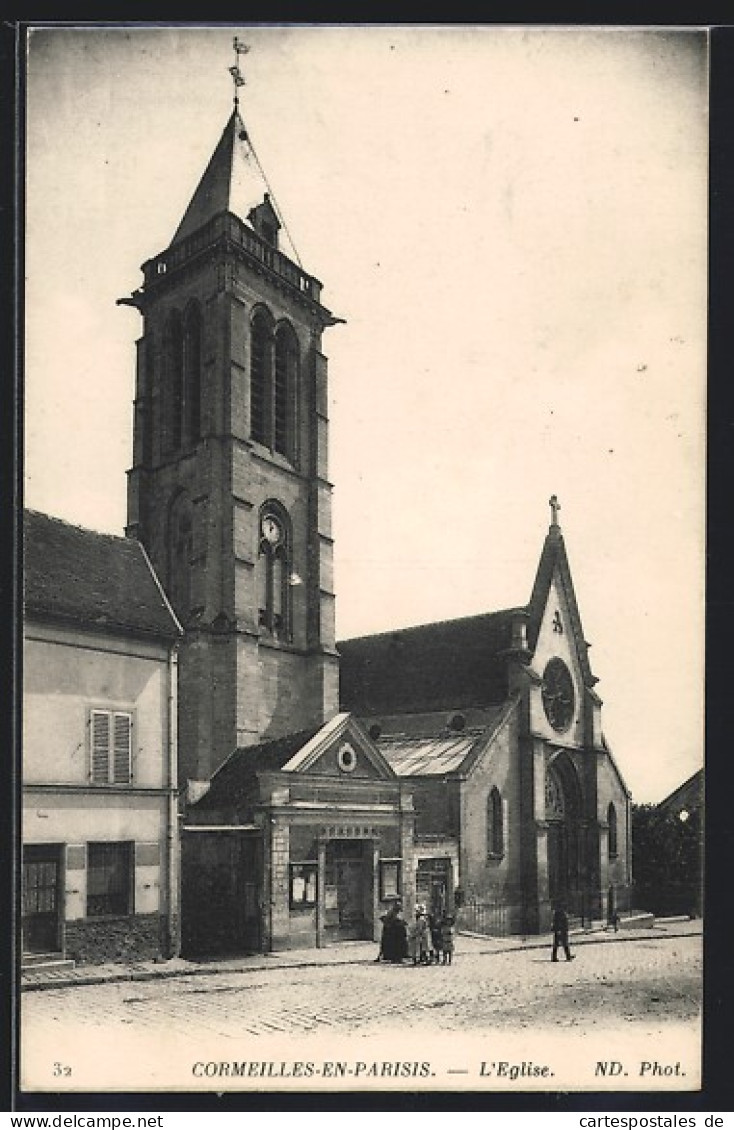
point(484, 915)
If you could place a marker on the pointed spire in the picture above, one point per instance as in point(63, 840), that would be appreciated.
point(234, 180)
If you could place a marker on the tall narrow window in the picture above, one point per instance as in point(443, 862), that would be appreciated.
point(612, 821)
point(495, 830)
point(260, 382)
point(274, 571)
point(286, 373)
point(110, 760)
point(146, 453)
point(180, 554)
point(192, 371)
point(174, 399)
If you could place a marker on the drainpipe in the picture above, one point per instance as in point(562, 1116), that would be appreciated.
point(173, 836)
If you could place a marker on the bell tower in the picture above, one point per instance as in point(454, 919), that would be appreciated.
point(228, 490)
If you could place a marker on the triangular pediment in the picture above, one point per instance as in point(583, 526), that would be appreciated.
point(343, 749)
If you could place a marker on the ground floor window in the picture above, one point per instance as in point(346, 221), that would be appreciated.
point(303, 884)
point(110, 872)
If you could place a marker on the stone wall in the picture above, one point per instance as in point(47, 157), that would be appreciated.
point(93, 941)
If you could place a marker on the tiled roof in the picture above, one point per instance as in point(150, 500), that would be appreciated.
point(448, 665)
point(232, 783)
point(92, 580)
point(431, 744)
point(688, 795)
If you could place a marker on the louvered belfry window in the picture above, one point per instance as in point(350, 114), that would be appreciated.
point(111, 747)
point(286, 372)
point(259, 363)
point(274, 377)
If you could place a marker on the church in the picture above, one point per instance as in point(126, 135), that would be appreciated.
point(460, 764)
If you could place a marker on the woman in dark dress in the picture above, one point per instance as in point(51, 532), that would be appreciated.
point(394, 944)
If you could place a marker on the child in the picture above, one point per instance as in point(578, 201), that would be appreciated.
point(447, 939)
point(434, 922)
point(412, 934)
point(422, 937)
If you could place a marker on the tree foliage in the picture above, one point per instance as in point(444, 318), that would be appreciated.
point(667, 859)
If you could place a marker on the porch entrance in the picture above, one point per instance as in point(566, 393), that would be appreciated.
point(348, 888)
point(41, 919)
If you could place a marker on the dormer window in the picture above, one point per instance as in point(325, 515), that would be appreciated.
point(265, 221)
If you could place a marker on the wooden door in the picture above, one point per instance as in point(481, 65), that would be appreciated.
point(41, 911)
point(350, 897)
point(345, 875)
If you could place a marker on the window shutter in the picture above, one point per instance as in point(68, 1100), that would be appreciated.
point(122, 733)
point(100, 773)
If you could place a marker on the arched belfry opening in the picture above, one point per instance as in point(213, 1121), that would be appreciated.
point(563, 809)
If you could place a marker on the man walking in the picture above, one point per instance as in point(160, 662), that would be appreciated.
point(560, 933)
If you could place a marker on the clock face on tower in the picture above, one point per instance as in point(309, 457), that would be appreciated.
point(558, 695)
point(271, 530)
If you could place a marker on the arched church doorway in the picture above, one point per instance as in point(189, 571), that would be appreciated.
point(563, 812)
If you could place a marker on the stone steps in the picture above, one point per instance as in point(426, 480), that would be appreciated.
point(52, 962)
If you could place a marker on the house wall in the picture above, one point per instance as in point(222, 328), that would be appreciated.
point(66, 674)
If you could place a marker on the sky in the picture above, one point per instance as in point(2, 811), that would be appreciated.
point(512, 221)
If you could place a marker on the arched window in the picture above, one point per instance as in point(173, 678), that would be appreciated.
point(180, 554)
point(260, 378)
point(495, 829)
point(192, 370)
point(286, 377)
point(274, 571)
point(173, 401)
point(274, 362)
point(612, 821)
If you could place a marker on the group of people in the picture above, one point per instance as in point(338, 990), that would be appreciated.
point(427, 939)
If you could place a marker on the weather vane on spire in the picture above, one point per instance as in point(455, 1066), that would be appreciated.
point(237, 77)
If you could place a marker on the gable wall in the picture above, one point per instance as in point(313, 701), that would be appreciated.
point(552, 644)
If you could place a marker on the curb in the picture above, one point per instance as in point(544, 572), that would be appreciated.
point(597, 938)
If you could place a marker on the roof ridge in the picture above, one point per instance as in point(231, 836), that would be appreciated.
point(512, 609)
point(30, 511)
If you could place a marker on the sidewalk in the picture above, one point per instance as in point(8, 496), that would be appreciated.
point(346, 953)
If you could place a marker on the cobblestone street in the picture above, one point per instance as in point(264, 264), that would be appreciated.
point(641, 986)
